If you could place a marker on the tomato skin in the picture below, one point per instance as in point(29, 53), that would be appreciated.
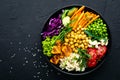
point(92, 52)
point(101, 51)
point(96, 54)
point(92, 62)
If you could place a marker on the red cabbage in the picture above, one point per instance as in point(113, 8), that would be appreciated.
point(53, 28)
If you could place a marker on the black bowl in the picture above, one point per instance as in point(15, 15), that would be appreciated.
point(87, 70)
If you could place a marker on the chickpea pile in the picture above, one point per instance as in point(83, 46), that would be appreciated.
point(77, 39)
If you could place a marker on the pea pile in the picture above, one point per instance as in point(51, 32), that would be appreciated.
point(98, 28)
point(76, 39)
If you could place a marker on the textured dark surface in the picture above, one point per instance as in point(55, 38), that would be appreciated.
point(21, 22)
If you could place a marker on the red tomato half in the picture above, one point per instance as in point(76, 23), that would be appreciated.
point(96, 54)
point(101, 51)
point(92, 61)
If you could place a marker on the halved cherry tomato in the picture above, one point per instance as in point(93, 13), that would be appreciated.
point(92, 52)
point(101, 51)
point(91, 63)
point(93, 60)
point(96, 54)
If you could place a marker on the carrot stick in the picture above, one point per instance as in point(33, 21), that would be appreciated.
point(81, 21)
point(91, 21)
point(78, 11)
point(79, 18)
point(83, 24)
point(74, 20)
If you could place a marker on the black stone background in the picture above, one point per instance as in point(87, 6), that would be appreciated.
point(21, 22)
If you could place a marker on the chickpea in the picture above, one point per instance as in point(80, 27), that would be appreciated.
point(76, 44)
point(72, 35)
point(82, 32)
point(78, 41)
point(78, 28)
point(80, 36)
point(71, 39)
point(68, 35)
point(85, 43)
point(76, 37)
point(74, 40)
point(71, 42)
point(65, 43)
point(66, 40)
point(76, 51)
point(82, 45)
point(78, 32)
point(79, 46)
point(82, 28)
point(72, 46)
point(75, 31)
point(85, 35)
point(72, 32)
point(86, 47)
point(86, 39)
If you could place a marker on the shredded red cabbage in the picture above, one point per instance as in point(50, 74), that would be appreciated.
point(53, 28)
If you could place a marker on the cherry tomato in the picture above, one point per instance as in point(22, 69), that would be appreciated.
point(92, 63)
point(96, 54)
point(93, 60)
point(101, 51)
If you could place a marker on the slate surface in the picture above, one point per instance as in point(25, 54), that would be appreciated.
point(21, 22)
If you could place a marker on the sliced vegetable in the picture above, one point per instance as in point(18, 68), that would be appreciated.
point(92, 63)
point(77, 12)
point(101, 50)
point(93, 59)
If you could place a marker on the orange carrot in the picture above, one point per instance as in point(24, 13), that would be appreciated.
point(79, 18)
point(91, 21)
point(78, 11)
point(81, 21)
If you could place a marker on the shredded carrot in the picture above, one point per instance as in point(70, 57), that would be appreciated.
point(91, 21)
point(77, 12)
point(81, 21)
point(79, 18)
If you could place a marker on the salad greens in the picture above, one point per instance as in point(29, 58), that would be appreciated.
point(84, 56)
